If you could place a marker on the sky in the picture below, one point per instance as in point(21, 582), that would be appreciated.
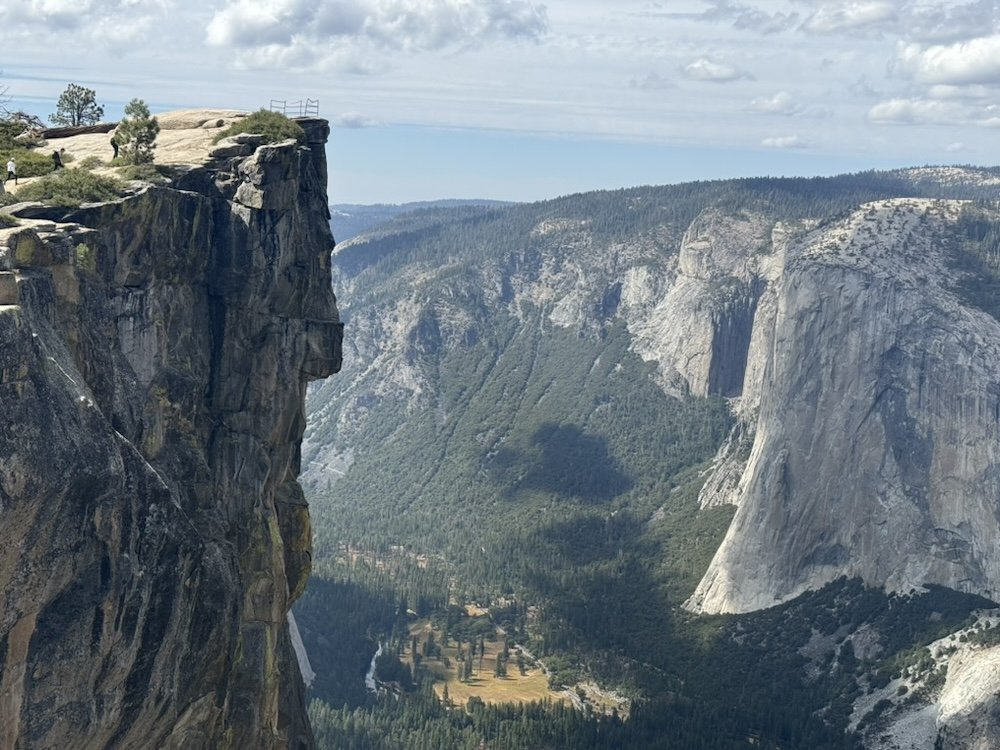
point(522, 100)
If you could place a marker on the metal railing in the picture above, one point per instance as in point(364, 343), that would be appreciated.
point(301, 108)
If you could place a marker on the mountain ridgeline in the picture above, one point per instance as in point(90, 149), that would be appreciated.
point(619, 415)
point(348, 220)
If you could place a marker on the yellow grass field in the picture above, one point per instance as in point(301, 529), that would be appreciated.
point(514, 688)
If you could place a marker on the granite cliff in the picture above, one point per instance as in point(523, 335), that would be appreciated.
point(154, 355)
point(869, 409)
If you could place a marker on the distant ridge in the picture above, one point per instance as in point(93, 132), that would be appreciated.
point(352, 219)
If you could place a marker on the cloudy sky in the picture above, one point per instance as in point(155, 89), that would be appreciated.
point(523, 100)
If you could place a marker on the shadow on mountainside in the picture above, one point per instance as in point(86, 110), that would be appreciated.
point(564, 460)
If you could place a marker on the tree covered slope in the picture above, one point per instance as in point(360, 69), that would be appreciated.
point(556, 408)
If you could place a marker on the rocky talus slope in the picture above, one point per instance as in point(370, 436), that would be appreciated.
point(154, 354)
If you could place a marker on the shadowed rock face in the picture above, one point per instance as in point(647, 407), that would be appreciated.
point(154, 354)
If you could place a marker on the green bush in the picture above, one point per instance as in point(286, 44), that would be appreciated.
point(85, 257)
point(71, 187)
point(6, 220)
point(8, 132)
point(91, 162)
point(29, 163)
point(274, 126)
point(146, 172)
point(20, 130)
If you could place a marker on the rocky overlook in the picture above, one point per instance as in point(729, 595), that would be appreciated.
point(154, 355)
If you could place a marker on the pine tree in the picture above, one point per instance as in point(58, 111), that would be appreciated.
point(136, 134)
point(77, 106)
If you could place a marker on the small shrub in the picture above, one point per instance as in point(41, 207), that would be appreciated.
point(29, 163)
point(91, 162)
point(146, 172)
point(71, 187)
point(20, 130)
point(935, 681)
point(85, 258)
point(8, 132)
point(6, 220)
point(274, 126)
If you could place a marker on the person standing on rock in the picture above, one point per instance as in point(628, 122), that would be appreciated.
point(11, 170)
point(114, 145)
point(56, 160)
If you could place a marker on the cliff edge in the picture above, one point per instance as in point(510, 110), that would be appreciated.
point(154, 355)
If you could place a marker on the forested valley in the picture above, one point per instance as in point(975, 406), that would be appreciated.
point(506, 489)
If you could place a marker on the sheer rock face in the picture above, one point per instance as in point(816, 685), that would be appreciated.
point(699, 330)
point(868, 435)
point(154, 354)
point(870, 414)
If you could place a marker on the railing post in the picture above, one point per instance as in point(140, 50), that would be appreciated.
point(301, 108)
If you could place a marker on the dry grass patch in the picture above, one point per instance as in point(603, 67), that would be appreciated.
point(512, 688)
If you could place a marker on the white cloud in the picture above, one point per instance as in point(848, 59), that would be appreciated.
point(652, 81)
point(963, 63)
point(913, 111)
point(947, 91)
point(354, 120)
point(956, 148)
point(107, 20)
point(863, 88)
point(850, 17)
point(704, 69)
point(765, 23)
point(283, 57)
point(781, 103)
point(950, 22)
point(277, 27)
point(784, 142)
point(744, 17)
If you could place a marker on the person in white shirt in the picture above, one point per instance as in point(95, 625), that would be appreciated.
point(11, 171)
